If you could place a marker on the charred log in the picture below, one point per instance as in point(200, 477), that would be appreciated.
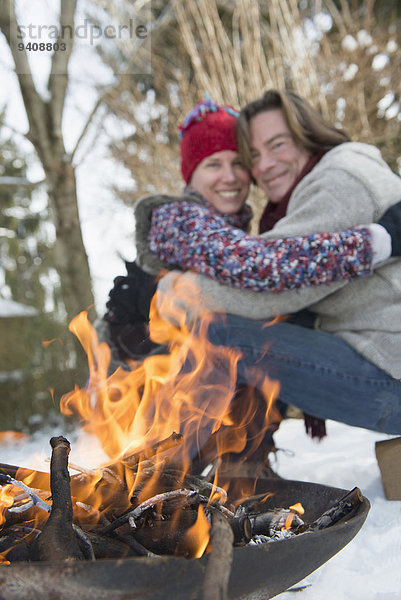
point(343, 507)
point(160, 523)
point(132, 460)
point(137, 548)
point(270, 522)
point(173, 479)
point(219, 563)
point(267, 521)
point(58, 540)
point(168, 537)
point(109, 547)
point(16, 542)
point(242, 529)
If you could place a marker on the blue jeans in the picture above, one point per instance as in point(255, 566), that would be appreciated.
point(318, 372)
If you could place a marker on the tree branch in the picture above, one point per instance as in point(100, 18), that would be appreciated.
point(165, 16)
point(35, 106)
point(58, 78)
point(85, 128)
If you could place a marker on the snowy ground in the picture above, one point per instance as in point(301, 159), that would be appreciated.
point(369, 568)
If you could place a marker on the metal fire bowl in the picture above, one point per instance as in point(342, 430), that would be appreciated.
point(258, 572)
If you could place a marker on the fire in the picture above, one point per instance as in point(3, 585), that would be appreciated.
point(196, 539)
point(6, 500)
point(173, 392)
point(298, 508)
point(7, 437)
point(188, 391)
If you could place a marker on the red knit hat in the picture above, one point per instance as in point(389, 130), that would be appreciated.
point(207, 129)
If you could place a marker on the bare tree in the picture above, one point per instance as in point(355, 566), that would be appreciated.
point(45, 134)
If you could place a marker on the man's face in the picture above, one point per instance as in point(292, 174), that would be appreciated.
point(276, 159)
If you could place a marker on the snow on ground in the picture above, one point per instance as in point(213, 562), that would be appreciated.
point(369, 568)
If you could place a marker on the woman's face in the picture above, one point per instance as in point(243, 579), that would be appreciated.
point(222, 180)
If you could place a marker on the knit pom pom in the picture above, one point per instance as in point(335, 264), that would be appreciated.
point(201, 110)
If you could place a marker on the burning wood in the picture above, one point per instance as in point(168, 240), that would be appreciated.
point(16, 541)
point(58, 540)
point(148, 501)
point(343, 507)
point(187, 515)
point(35, 499)
point(219, 564)
point(132, 460)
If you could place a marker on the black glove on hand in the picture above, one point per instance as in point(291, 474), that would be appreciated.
point(131, 296)
point(391, 220)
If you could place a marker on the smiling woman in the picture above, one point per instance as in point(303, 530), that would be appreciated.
point(223, 180)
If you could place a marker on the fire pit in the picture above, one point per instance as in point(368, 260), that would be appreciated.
point(145, 524)
point(258, 571)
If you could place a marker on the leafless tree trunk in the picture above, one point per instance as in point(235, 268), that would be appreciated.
point(45, 134)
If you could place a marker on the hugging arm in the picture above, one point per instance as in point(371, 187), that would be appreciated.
point(190, 237)
point(216, 297)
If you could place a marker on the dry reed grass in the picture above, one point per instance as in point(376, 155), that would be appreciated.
point(236, 50)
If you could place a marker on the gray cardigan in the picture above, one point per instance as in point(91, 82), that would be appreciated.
point(351, 185)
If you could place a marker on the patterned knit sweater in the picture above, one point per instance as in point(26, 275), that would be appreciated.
point(190, 234)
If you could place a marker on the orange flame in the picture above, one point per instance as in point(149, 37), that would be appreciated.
point(7, 437)
point(190, 391)
point(6, 501)
point(298, 508)
point(289, 520)
point(196, 538)
point(7, 498)
point(131, 410)
point(46, 343)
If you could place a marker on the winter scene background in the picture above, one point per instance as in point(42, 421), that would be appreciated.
point(119, 130)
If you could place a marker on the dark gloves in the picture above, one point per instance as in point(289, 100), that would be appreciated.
point(131, 296)
point(124, 327)
point(391, 221)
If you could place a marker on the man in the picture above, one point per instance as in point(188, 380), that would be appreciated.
point(347, 367)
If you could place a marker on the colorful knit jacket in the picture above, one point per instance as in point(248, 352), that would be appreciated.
point(188, 233)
